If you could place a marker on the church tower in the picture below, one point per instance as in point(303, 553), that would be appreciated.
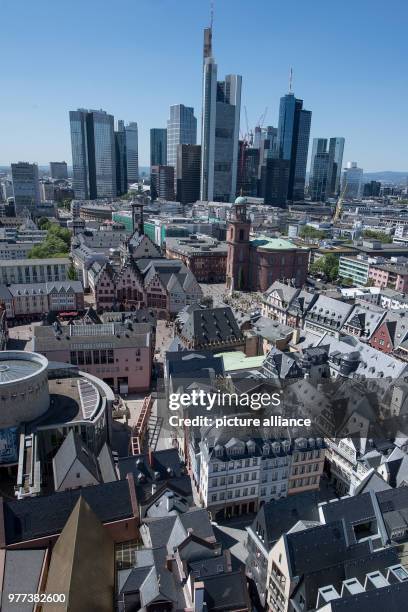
point(238, 247)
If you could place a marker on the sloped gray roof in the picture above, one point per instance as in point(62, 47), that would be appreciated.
point(211, 325)
point(73, 448)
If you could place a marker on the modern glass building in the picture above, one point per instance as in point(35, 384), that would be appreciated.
point(352, 181)
point(59, 170)
point(132, 152)
point(181, 129)
point(188, 173)
point(158, 147)
point(221, 105)
point(293, 142)
point(121, 162)
point(26, 188)
point(93, 154)
point(336, 149)
point(319, 170)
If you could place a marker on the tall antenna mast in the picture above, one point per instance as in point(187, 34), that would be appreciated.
point(290, 80)
point(211, 14)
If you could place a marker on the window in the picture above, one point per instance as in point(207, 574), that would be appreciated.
point(214, 497)
point(253, 490)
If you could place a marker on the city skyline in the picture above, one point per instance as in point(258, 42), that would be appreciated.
point(365, 72)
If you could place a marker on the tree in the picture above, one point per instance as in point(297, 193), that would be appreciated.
point(307, 231)
point(327, 265)
point(376, 235)
point(56, 244)
point(44, 223)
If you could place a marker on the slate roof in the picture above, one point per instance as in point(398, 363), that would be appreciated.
point(335, 311)
point(46, 515)
point(226, 592)
point(166, 472)
point(372, 363)
point(73, 448)
point(22, 573)
point(366, 319)
point(315, 549)
point(281, 365)
point(272, 330)
point(182, 364)
point(397, 325)
point(285, 292)
point(172, 531)
point(119, 335)
point(211, 325)
point(392, 598)
point(278, 516)
point(45, 288)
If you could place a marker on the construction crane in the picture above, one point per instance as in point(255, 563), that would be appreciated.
point(339, 204)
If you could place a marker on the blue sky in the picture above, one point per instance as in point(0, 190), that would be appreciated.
point(134, 58)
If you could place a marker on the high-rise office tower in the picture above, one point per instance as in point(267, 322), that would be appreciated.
point(59, 170)
point(247, 174)
point(181, 129)
point(121, 160)
point(158, 147)
point(26, 187)
point(162, 182)
point(188, 173)
point(221, 104)
point(266, 140)
point(273, 181)
point(132, 152)
point(336, 149)
point(293, 142)
point(93, 154)
point(352, 181)
point(319, 170)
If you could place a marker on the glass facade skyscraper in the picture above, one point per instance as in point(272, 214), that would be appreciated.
point(132, 152)
point(319, 170)
point(121, 164)
point(219, 130)
point(181, 129)
point(93, 154)
point(336, 149)
point(158, 147)
point(26, 188)
point(293, 142)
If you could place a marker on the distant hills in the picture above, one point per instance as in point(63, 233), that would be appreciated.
point(387, 176)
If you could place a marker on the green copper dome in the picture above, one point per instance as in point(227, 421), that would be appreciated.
point(240, 200)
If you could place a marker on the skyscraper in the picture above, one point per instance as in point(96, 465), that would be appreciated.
point(352, 181)
point(293, 142)
point(58, 170)
point(336, 149)
point(158, 147)
point(26, 187)
point(132, 152)
point(188, 173)
point(273, 183)
point(247, 175)
point(325, 168)
point(121, 161)
point(181, 129)
point(93, 154)
point(221, 104)
point(319, 170)
point(162, 182)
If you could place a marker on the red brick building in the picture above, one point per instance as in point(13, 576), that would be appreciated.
point(254, 264)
